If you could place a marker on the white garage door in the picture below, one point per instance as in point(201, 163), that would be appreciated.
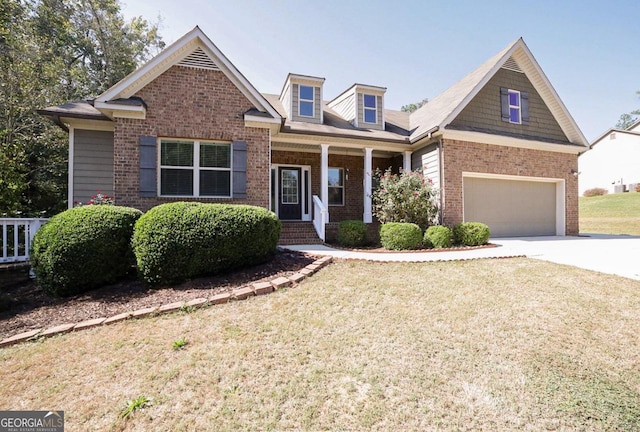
point(511, 208)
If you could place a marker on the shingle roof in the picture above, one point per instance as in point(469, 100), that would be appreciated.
point(432, 114)
point(78, 109)
point(396, 128)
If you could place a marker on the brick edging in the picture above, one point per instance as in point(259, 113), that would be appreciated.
point(254, 289)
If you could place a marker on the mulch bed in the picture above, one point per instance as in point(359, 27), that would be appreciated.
point(24, 306)
point(380, 249)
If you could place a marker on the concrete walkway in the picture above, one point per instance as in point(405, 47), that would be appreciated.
point(618, 255)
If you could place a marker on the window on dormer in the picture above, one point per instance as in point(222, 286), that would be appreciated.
point(305, 101)
point(514, 107)
point(370, 109)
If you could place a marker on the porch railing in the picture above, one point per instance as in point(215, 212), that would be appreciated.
point(17, 236)
point(320, 217)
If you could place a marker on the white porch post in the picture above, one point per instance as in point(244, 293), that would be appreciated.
point(324, 176)
point(367, 217)
point(407, 161)
point(70, 169)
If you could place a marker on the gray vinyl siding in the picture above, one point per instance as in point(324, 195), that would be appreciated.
point(317, 105)
point(92, 163)
point(428, 159)
point(483, 113)
point(361, 122)
point(346, 108)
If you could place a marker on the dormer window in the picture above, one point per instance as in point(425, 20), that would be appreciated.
point(370, 108)
point(514, 107)
point(305, 101)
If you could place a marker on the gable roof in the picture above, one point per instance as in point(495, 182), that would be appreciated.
point(627, 131)
point(444, 108)
point(194, 49)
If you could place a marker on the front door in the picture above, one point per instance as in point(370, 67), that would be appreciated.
point(290, 193)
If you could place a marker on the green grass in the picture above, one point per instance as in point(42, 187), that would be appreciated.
point(611, 214)
point(503, 345)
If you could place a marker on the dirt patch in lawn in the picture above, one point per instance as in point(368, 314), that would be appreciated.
point(23, 305)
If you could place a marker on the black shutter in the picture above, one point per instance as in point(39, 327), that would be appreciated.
point(148, 179)
point(239, 149)
point(524, 107)
point(504, 102)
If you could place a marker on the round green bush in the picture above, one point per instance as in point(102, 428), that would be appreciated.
point(178, 241)
point(471, 234)
point(400, 235)
point(352, 233)
point(437, 236)
point(84, 248)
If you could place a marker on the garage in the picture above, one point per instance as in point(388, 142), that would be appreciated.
point(514, 207)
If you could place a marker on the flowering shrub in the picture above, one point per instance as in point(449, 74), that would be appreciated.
point(407, 197)
point(97, 199)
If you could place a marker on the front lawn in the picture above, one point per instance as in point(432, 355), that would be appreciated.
point(611, 214)
point(511, 344)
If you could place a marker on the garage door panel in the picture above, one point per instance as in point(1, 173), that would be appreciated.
point(511, 207)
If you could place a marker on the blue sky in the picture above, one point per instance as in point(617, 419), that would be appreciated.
point(589, 49)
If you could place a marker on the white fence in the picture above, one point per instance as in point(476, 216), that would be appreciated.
point(17, 235)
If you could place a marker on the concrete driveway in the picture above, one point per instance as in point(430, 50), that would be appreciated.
point(618, 255)
point(612, 254)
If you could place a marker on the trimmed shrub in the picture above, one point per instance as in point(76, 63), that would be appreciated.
point(637, 187)
point(471, 234)
point(400, 235)
point(181, 240)
point(594, 192)
point(352, 233)
point(84, 248)
point(437, 236)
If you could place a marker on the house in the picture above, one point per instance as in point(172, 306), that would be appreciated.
point(613, 163)
point(499, 144)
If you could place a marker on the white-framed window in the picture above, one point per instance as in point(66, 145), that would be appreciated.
point(195, 168)
point(336, 186)
point(305, 101)
point(369, 102)
point(515, 115)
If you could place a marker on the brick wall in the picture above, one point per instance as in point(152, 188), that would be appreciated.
point(192, 104)
point(353, 207)
point(459, 156)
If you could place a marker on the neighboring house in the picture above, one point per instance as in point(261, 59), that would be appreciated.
point(499, 144)
point(613, 163)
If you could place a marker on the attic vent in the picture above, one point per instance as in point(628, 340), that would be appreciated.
point(512, 65)
point(198, 59)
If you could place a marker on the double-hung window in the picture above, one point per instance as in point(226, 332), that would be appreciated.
point(370, 108)
point(195, 168)
point(305, 101)
point(514, 107)
point(336, 186)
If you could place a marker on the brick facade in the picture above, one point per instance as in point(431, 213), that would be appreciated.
point(459, 156)
point(190, 104)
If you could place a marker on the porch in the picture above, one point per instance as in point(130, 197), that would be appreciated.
point(325, 184)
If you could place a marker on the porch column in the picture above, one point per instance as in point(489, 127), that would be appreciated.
point(324, 176)
point(407, 161)
point(367, 217)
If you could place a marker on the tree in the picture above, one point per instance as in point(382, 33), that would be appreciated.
point(414, 106)
point(628, 119)
point(53, 51)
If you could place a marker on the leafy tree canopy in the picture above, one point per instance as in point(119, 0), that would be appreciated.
point(414, 106)
point(627, 119)
point(51, 52)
